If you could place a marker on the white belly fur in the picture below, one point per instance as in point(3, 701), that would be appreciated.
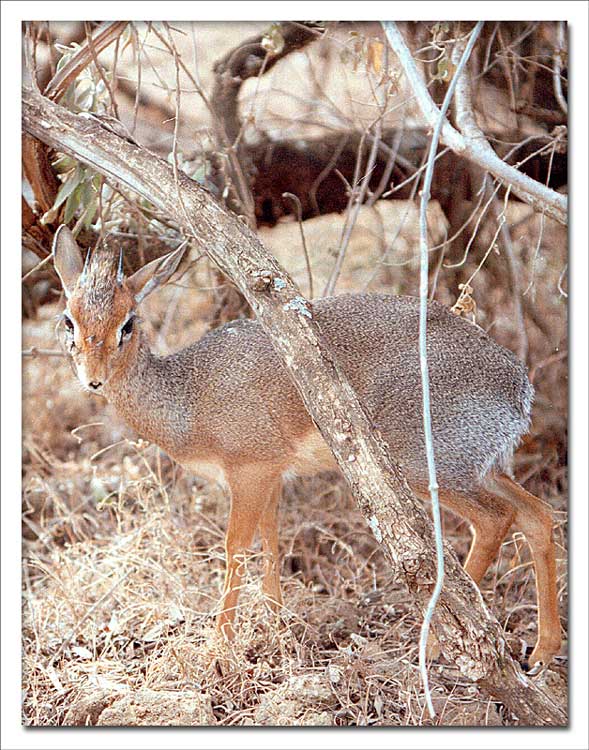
point(312, 455)
point(212, 472)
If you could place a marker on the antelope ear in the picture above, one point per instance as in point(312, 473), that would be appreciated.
point(67, 259)
point(155, 274)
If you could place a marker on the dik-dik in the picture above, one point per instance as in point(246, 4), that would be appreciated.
point(225, 409)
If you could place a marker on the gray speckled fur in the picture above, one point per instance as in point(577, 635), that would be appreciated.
point(481, 396)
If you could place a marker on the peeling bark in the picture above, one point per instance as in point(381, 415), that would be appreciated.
point(37, 170)
point(469, 635)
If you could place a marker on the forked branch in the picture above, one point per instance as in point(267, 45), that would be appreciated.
point(469, 635)
point(471, 141)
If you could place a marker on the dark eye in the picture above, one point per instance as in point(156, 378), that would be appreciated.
point(68, 323)
point(127, 329)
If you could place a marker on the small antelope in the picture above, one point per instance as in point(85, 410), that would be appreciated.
point(225, 409)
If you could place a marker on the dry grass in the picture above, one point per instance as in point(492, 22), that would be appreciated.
point(123, 563)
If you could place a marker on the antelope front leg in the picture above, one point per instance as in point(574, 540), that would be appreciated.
point(251, 491)
point(269, 534)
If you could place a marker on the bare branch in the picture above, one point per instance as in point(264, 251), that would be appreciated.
point(299, 209)
point(35, 352)
point(562, 102)
point(427, 419)
point(471, 141)
point(358, 193)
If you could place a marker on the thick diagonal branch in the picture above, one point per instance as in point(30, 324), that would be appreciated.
point(469, 635)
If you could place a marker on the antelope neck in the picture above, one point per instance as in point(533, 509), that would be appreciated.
point(151, 402)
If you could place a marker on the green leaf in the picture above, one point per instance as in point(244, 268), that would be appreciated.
point(72, 204)
point(62, 61)
point(90, 214)
point(63, 164)
point(69, 186)
point(89, 199)
point(84, 94)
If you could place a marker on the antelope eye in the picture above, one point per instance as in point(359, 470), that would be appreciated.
point(127, 329)
point(68, 323)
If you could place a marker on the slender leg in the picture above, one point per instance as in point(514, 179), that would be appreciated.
point(269, 534)
point(251, 489)
point(534, 518)
point(490, 516)
point(489, 530)
point(491, 510)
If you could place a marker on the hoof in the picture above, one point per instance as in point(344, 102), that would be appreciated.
point(540, 658)
point(536, 668)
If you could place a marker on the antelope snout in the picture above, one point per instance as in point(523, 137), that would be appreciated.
point(92, 378)
point(93, 384)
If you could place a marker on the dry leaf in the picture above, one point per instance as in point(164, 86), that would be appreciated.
point(375, 55)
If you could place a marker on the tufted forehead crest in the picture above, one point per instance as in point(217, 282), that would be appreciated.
point(101, 275)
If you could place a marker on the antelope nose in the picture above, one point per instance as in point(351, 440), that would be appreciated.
point(95, 384)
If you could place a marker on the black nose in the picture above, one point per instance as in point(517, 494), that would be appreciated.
point(94, 384)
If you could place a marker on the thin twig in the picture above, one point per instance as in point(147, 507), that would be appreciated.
point(244, 195)
point(295, 199)
point(552, 359)
point(389, 246)
point(35, 352)
point(541, 232)
point(99, 70)
point(423, 293)
point(390, 165)
point(413, 176)
point(325, 171)
point(102, 37)
point(474, 232)
point(501, 220)
point(89, 614)
point(354, 205)
point(36, 268)
point(520, 323)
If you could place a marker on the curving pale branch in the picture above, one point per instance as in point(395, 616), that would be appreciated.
point(471, 141)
